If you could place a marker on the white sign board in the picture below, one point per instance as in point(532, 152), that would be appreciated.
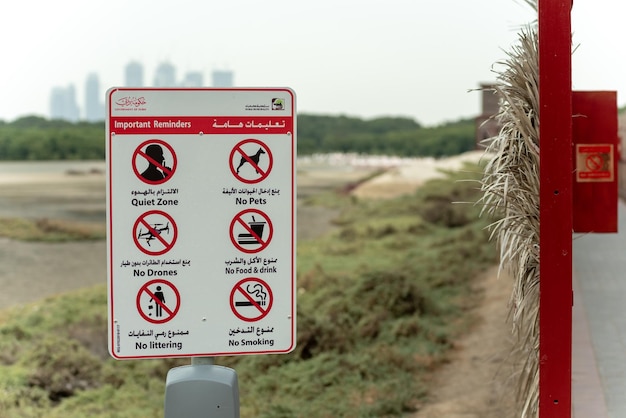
point(201, 221)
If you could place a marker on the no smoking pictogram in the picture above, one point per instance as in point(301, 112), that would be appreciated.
point(158, 301)
point(155, 232)
point(251, 231)
point(154, 161)
point(251, 161)
point(251, 299)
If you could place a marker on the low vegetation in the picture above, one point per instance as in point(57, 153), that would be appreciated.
point(50, 230)
point(381, 300)
point(36, 138)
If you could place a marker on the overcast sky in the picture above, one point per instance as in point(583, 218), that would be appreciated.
point(364, 58)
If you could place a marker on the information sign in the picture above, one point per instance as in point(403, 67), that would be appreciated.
point(594, 163)
point(201, 221)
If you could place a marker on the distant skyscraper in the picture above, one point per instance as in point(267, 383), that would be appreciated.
point(193, 79)
point(63, 104)
point(94, 108)
point(165, 75)
point(134, 74)
point(222, 78)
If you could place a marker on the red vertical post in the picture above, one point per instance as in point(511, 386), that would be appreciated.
point(555, 136)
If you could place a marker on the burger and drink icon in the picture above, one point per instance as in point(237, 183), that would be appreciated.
point(256, 236)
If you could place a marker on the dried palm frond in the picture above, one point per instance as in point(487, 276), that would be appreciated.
point(510, 187)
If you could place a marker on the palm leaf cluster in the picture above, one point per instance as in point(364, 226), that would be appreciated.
point(510, 188)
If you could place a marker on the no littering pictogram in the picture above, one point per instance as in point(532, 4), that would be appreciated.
point(154, 161)
point(251, 299)
point(158, 301)
point(155, 232)
point(251, 161)
point(251, 231)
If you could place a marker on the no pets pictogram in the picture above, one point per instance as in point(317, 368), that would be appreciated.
point(251, 161)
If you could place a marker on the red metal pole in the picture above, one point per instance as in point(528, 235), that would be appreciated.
point(555, 135)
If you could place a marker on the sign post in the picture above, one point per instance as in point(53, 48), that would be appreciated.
point(556, 298)
point(201, 221)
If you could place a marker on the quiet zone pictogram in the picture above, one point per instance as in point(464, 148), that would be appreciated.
point(158, 301)
point(251, 231)
point(251, 161)
point(155, 232)
point(154, 161)
point(251, 299)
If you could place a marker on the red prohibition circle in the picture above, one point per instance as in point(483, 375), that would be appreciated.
point(172, 312)
point(594, 162)
point(139, 154)
point(262, 308)
point(250, 159)
point(237, 220)
point(153, 233)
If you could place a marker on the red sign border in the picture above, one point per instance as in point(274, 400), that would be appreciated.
point(112, 248)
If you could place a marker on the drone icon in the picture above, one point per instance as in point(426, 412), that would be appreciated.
point(151, 233)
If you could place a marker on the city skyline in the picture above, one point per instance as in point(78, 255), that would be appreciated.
point(64, 104)
point(357, 58)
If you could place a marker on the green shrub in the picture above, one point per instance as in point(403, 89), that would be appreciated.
point(381, 300)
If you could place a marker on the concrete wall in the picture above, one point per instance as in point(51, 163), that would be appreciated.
point(622, 179)
point(621, 131)
point(621, 152)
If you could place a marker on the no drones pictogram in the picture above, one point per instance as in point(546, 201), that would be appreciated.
point(155, 232)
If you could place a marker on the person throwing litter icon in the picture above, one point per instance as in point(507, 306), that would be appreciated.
point(161, 297)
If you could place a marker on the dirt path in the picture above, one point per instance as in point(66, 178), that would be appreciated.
point(476, 383)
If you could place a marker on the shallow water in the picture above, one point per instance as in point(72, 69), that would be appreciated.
point(71, 190)
point(50, 167)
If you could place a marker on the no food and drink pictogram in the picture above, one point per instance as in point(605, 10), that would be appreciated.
point(251, 231)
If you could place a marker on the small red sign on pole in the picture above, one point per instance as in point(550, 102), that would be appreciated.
point(595, 175)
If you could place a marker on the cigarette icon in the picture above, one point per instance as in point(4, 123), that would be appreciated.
point(248, 303)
